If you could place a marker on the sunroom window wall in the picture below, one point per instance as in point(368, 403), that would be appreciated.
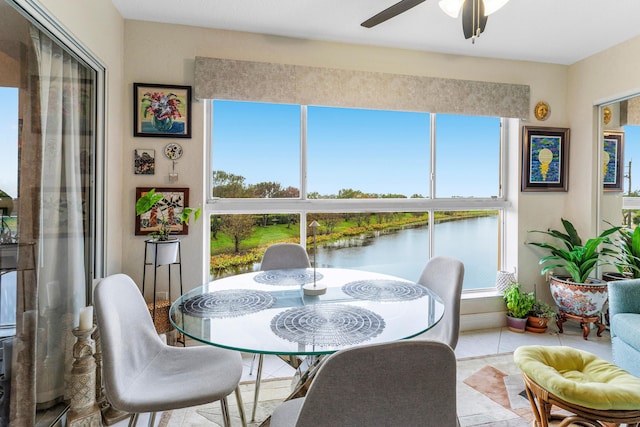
point(363, 167)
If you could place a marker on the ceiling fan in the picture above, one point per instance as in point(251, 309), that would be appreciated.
point(474, 13)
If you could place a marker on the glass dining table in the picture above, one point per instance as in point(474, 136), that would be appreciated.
point(267, 312)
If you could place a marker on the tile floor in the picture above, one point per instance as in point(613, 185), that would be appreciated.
point(471, 344)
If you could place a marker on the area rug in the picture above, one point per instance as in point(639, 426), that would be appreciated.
point(490, 392)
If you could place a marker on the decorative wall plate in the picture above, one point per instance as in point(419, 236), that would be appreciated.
point(173, 151)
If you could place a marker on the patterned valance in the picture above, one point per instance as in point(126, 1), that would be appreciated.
point(294, 84)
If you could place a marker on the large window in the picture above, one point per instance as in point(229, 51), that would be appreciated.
point(389, 189)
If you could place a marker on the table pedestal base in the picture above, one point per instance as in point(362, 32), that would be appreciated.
point(307, 369)
point(584, 323)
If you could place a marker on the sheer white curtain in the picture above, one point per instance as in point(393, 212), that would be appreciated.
point(61, 271)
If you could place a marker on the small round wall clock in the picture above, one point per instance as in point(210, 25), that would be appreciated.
point(173, 151)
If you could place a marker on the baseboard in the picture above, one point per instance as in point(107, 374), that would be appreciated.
point(471, 322)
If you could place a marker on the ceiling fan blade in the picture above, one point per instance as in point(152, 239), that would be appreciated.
point(390, 12)
point(469, 9)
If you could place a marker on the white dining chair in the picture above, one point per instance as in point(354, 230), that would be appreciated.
point(278, 256)
point(444, 276)
point(402, 383)
point(143, 374)
point(285, 255)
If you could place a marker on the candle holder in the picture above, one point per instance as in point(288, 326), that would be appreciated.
point(83, 412)
point(110, 415)
point(314, 288)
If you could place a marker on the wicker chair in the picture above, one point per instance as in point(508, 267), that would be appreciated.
point(591, 389)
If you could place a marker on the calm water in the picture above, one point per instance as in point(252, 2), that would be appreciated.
point(404, 253)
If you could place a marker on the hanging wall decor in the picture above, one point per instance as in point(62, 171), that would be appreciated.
point(544, 159)
point(612, 164)
point(144, 161)
point(168, 210)
point(161, 110)
point(542, 111)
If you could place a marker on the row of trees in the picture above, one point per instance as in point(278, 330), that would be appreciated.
point(228, 185)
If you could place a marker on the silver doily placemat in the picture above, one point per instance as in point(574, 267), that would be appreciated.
point(298, 276)
point(384, 290)
point(327, 325)
point(231, 303)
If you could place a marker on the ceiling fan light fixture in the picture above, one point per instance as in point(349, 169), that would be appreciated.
point(492, 6)
point(451, 7)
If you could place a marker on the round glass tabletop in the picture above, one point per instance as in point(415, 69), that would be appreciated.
point(268, 312)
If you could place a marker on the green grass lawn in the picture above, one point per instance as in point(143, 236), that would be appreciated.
point(262, 236)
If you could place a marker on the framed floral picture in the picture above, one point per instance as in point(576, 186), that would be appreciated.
point(161, 110)
point(612, 163)
point(544, 159)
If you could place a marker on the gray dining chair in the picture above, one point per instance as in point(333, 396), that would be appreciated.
point(277, 257)
point(402, 383)
point(285, 255)
point(444, 276)
point(142, 374)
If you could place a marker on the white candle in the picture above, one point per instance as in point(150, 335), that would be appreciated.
point(86, 318)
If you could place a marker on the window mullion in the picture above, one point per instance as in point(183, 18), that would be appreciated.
point(303, 170)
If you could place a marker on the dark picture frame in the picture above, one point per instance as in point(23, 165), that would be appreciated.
point(161, 110)
point(613, 166)
point(173, 202)
point(144, 161)
point(544, 159)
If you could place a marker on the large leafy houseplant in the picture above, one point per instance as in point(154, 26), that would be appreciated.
point(578, 259)
point(151, 200)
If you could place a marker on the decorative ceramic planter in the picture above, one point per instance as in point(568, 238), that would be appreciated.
point(579, 299)
point(516, 325)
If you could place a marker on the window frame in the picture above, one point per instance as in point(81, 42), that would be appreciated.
point(303, 206)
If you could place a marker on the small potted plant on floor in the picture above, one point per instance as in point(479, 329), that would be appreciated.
point(519, 305)
point(539, 316)
point(162, 213)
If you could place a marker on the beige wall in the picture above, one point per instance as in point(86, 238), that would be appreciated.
point(602, 78)
point(172, 62)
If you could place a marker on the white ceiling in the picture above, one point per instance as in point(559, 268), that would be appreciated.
point(553, 31)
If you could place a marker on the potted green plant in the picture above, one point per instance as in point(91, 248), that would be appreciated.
point(519, 305)
point(577, 293)
point(627, 260)
point(539, 316)
point(167, 248)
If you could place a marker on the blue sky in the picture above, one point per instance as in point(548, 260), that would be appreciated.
point(371, 151)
